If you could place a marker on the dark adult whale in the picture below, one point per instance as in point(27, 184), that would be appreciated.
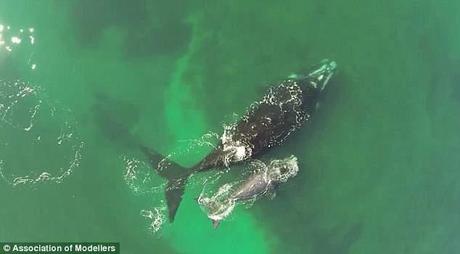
point(266, 124)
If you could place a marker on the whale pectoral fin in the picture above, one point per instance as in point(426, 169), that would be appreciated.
point(215, 223)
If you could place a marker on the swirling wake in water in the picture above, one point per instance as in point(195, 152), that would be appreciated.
point(142, 179)
point(38, 139)
point(156, 217)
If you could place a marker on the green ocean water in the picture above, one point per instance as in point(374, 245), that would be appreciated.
point(83, 82)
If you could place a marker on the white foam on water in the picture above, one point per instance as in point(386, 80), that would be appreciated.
point(218, 206)
point(32, 125)
point(47, 176)
point(141, 178)
point(156, 217)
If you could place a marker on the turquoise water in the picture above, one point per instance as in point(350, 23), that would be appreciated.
point(89, 80)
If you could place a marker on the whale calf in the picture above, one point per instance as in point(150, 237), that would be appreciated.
point(267, 123)
point(261, 183)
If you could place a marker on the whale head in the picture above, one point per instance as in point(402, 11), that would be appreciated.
point(322, 73)
point(319, 75)
point(314, 83)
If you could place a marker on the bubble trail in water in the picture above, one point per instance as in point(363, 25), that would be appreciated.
point(38, 139)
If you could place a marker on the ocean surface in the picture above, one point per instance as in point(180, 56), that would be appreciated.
point(84, 83)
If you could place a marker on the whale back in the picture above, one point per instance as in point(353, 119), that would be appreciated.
point(268, 122)
point(256, 185)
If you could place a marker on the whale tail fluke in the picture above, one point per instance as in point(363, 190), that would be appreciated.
point(175, 174)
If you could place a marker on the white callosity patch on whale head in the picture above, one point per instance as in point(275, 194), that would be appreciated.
point(282, 170)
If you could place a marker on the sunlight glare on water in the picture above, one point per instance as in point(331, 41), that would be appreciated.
point(12, 39)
